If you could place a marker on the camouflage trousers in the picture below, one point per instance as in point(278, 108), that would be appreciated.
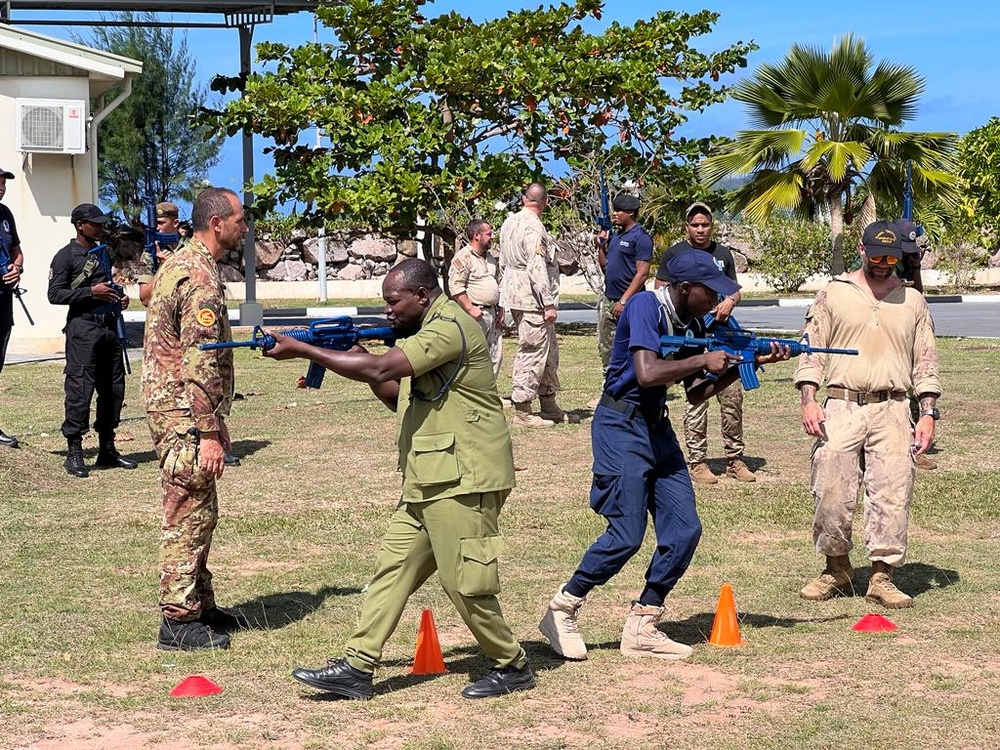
point(190, 513)
point(606, 325)
point(696, 425)
point(536, 363)
point(867, 444)
point(488, 321)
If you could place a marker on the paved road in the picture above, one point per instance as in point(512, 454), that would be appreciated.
point(972, 319)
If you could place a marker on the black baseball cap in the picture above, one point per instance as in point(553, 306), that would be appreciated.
point(5, 174)
point(699, 267)
point(88, 212)
point(882, 238)
point(625, 202)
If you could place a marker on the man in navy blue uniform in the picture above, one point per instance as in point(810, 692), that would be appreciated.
point(625, 261)
point(639, 467)
point(9, 282)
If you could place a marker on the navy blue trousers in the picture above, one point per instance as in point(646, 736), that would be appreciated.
point(639, 472)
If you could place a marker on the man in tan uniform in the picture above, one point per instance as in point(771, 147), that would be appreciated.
point(529, 288)
point(167, 222)
point(458, 468)
point(472, 282)
point(188, 393)
point(863, 428)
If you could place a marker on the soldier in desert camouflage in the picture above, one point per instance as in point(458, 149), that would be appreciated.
point(863, 430)
point(188, 393)
point(529, 288)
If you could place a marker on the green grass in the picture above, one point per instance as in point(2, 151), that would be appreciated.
point(300, 525)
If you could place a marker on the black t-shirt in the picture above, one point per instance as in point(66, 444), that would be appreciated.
point(722, 255)
point(67, 264)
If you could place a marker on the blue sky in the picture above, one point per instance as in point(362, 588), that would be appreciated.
point(953, 47)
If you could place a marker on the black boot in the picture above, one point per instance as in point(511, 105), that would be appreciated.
point(8, 441)
point(223, 621)
point(189, 636)
point(108, 456)
point(74, 459)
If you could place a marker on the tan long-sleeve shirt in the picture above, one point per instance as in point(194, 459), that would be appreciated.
point(894, 337)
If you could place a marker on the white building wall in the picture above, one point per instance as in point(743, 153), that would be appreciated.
point(41, 196)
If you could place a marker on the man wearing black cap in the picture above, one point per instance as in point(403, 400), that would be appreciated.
point(93, 354)
point(625, 260)
point(698, 224)
point(12, 243)
point(639, 468)
point(862, 428)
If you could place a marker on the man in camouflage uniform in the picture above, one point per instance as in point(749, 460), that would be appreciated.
point(188, 393)
point(863, 427)
point(458, 468)
point(167, 222)
point(472, 282)
point(529, 288)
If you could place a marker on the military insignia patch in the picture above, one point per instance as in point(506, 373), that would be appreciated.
point(206, 317)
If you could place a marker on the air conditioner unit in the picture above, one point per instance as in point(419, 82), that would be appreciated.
point(54, 126)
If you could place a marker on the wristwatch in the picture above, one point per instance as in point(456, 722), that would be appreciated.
point(932, 413)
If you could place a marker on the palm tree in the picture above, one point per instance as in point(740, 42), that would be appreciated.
point(824, 122)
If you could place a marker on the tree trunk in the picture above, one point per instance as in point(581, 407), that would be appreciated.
point(837, 232)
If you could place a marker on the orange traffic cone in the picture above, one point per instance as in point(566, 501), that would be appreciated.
point(428, 658)
point(195, 686)
point(726, 628)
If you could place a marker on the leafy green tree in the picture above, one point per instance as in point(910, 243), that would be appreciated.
point(431, 120)
point(824, 121)
point(979, 160)
point(152, 136)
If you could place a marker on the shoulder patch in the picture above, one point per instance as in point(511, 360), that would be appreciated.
point(206, 317)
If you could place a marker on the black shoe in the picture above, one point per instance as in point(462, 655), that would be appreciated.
point(232, 460)
point(501, 682)
point(189, 636)
point(108, 457)
point(339, 678)
point(74, 464)
point(8, 441)
point(223, 621)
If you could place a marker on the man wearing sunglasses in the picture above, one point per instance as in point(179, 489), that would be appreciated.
point(862, 427)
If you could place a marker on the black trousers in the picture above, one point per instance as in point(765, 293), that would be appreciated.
point(93, 362)
point(6, 323)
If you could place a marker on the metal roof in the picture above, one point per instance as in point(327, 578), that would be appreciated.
point(234, 12)
point(101, 65)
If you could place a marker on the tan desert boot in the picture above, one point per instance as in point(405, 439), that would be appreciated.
point(738, 470)
point(836, 580)
point(882, 590)
point(559, 625)
point(701, 474)
point(641, 637)
point(524, 417)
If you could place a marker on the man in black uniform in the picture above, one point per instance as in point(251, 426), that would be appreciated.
point(10, 240)
point(93, 354)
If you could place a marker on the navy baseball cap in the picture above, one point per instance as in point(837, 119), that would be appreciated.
point(882, 238)
point(699, 267)
point(908, 233)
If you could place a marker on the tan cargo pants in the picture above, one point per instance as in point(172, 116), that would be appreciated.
point(536, 363)
point(882, 433)
point(696, 425)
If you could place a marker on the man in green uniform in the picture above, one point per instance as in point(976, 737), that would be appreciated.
point(457, 464)
point(188, 393)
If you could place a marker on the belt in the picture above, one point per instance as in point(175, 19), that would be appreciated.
point(105, 319)
point(861, 397)
point(627, 408)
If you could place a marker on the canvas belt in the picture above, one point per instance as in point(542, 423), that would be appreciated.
point(862, 397)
